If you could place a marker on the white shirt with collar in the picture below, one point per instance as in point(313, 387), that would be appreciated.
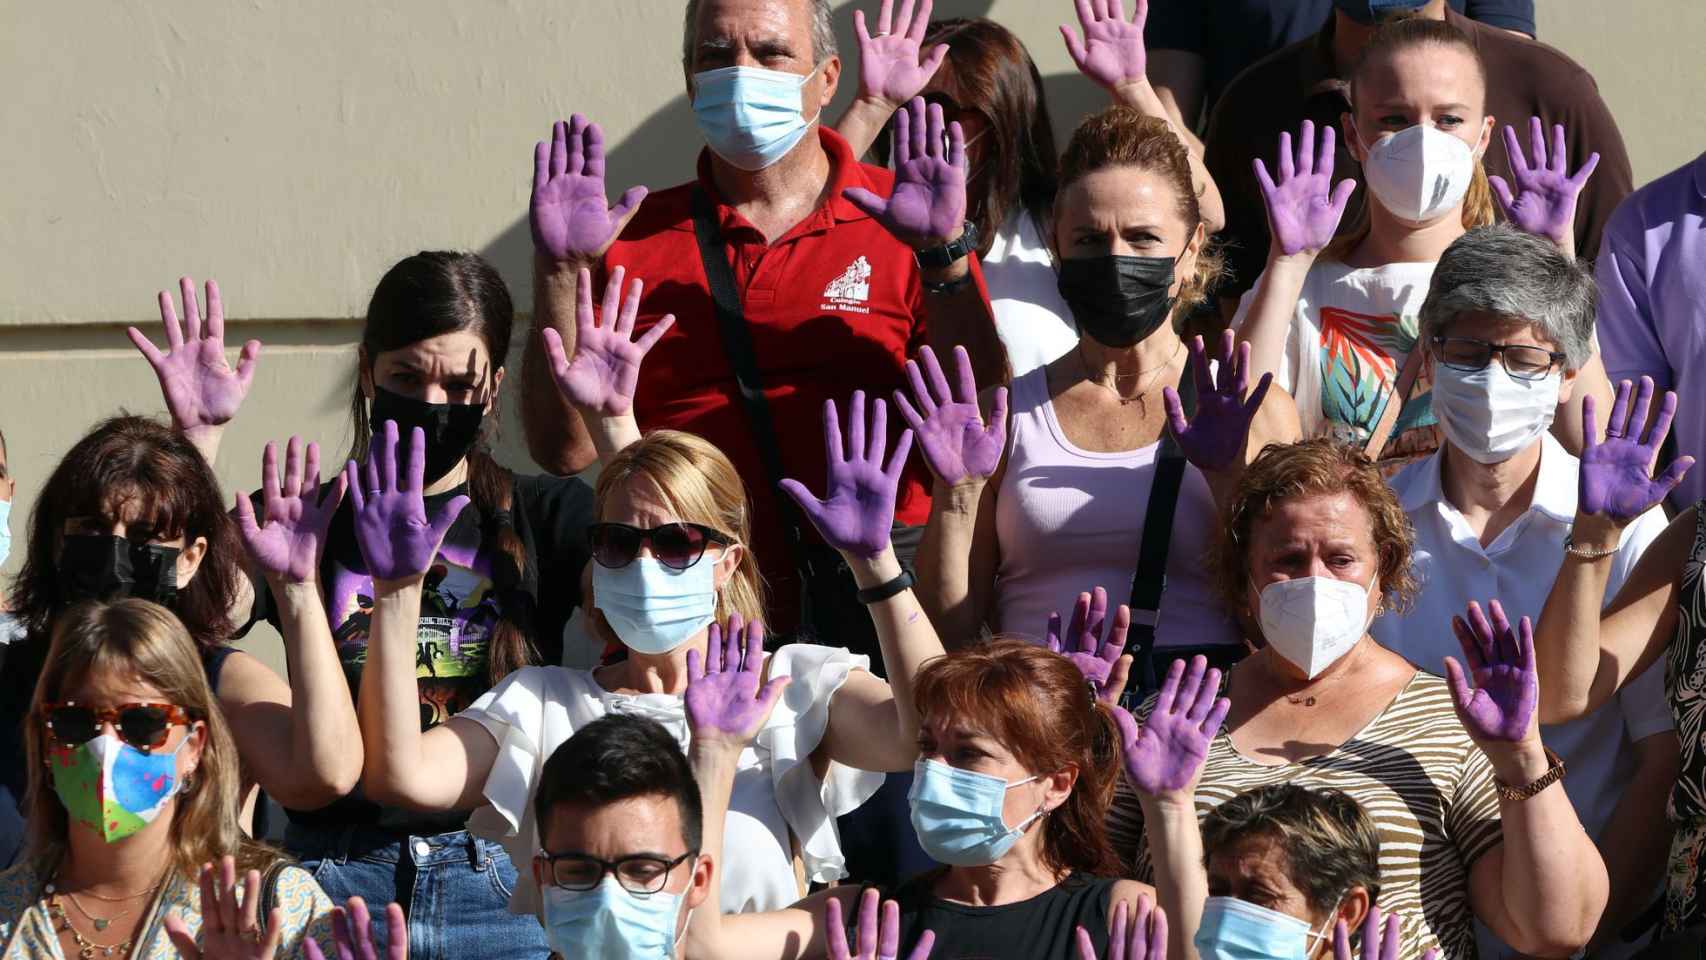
point(1518, 568)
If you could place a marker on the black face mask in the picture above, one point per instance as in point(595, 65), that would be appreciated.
point(1118, 300)
point(451, 428)
point(105, 567)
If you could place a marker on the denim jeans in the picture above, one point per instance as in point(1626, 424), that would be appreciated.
point(453, 887)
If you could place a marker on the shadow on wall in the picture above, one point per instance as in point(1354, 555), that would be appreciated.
point(661, 150)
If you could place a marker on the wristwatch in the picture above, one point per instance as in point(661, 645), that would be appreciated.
point(949, 254)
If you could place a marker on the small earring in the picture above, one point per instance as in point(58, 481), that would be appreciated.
point(188, 782)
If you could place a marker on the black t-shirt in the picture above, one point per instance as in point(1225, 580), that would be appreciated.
point(459, 608)
point(1044, 927)
point(1232, 34)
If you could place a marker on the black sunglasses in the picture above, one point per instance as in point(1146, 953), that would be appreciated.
point(676, 545)
point(142, 725)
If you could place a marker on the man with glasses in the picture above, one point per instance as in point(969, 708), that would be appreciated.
point(619, 818)
point(1507, 322)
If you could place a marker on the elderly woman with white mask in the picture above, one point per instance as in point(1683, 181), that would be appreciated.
point(1507, 323)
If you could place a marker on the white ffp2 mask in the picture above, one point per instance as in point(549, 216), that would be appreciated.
point(1420, 173)
point(1488, 414)
point(1313, 621)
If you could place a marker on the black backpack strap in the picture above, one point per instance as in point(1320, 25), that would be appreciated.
point(737, 346)
point(1149, 580)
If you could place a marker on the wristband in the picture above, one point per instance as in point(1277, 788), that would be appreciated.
point(1552, 775)
point(1570, 548)
point(948, 286)
point(949, 254)
point(884, 591)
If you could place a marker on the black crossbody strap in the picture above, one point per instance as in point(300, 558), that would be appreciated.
point(737, 346)
point(1149, 580)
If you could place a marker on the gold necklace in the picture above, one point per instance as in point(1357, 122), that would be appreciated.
point(101, 923)
point(86, 949)
point(1113, 388)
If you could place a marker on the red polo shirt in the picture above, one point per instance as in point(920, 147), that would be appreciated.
point(834, 305)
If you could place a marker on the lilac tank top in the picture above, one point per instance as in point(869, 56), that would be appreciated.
point(1068, 519)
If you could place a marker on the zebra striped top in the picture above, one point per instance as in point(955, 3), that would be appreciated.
point(1428, 788)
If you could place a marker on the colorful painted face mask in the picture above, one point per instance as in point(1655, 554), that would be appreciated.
point(112, 787)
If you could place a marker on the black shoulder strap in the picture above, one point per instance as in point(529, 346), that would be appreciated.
point(737, 346)
point(1149, 581)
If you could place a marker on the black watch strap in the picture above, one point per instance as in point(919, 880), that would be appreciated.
point(883, 591)
point(949, 254)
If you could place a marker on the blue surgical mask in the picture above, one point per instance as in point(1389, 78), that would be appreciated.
point(610, 923)
point(652, 608)
point(957, 814)
point(1234, 929)
point(1369, 12)
point(5, 530)
point(750, 116)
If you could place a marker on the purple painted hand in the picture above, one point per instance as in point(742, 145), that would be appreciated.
point(1105, 664)
point(398, 540)
point(601, 377)
point(1304, 207)
point(892, 66)
point(1145, 938)
point(856, 514)
point(1214, 438)
point(928, 206)
point(287, 546)
point(200, 388)
point(1616, 477)
point(724, 699)
point(1546, 205)
point(958, 445)
point(1167, 753)
point(1111, 53)
point(352, 931)
point(1501, 707)
point(1380, 938)
point(568, 214)
point(874, 942)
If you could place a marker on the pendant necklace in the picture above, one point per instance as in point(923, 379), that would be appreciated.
point(1112, 387)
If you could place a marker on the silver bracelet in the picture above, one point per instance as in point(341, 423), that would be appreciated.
point(1570, 548)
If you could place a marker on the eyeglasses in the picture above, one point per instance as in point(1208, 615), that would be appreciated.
point(676, 545)
point(1522, 362)
point(641, 873)
point(142, 725)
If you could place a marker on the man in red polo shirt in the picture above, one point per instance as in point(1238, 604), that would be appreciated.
point(831, 298)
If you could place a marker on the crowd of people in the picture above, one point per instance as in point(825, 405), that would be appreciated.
point(1324, 381)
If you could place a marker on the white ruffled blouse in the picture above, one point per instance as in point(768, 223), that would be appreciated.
point(533, 710)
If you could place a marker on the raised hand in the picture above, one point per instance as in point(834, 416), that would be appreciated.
point(1111, 53)
point(957, 444)
point(398, 540)
point(928, 206)
point(1380, 939)
point(229, 930)
point(873, 942)
point(892, 65)
point(352, 931)
point(287, 546)
point(200, 388)
point(605, 369)
point(858, 508)
point(1616, 477)
point(1544, 203)
point(1144, 939)
point(1105, 664)
point(1214, 439)
point(568, 214)
point(1501, 707)
point(1167, 753)
point(1304, 208)
point(724, 696)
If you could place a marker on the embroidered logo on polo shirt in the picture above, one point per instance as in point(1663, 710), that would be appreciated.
point(851, 290)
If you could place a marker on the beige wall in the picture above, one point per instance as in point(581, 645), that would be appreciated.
point(295, 150)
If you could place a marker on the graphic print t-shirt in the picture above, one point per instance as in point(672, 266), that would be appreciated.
point(1349, 338)
point(461, 604)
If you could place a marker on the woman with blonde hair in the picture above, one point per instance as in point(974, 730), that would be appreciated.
point(1335, 321)
point(133, 798)
point(671, 554)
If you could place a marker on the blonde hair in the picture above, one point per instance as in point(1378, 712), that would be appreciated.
point(699, 485)
point(145, 640)
point(1122, 137)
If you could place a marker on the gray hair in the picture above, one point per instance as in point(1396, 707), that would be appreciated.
point(823, 33)
point(1508, 273)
